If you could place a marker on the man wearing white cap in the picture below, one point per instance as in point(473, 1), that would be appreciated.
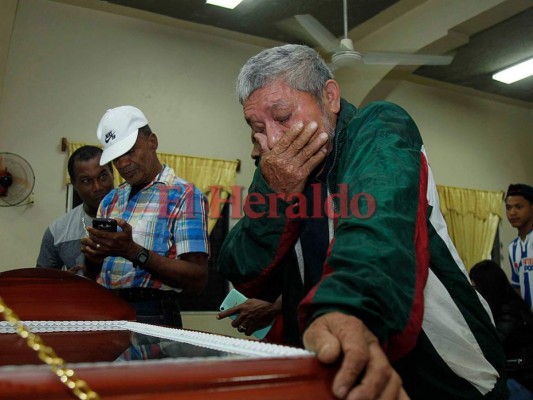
point(162, 246)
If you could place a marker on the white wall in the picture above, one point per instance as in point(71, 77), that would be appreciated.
point(67, 64)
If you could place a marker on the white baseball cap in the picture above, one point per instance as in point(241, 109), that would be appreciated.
point(118, 130)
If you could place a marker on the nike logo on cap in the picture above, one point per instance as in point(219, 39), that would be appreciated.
point(109, 135)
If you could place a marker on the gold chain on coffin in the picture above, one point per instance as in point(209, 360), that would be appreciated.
point(79, 387)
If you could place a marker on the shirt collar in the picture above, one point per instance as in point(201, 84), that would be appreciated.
point(165, 176)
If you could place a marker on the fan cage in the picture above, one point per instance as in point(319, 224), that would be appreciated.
point(23, 180)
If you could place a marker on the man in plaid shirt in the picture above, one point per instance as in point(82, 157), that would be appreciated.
point(161, 248)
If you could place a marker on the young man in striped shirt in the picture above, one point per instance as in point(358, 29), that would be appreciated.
point(519, 210)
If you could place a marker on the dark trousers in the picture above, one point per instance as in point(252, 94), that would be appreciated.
point(153, 306)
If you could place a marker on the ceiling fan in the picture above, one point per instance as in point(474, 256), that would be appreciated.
point(343, 53)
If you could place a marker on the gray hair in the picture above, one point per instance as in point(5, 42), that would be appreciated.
point(299, 66)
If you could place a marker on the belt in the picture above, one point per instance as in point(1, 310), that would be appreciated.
point(144, 294)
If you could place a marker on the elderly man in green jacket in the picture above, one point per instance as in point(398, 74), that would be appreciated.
point(343, 223)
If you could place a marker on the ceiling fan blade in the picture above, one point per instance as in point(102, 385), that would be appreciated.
point(317, 33)
point(405, 59)
point(333, 67)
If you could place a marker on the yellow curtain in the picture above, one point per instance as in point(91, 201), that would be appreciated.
point(472, 217)
point(204, 173)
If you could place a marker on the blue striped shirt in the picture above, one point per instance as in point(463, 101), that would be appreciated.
point(521, 260)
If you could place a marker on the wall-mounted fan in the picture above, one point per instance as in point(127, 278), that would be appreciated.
point(16, 180)
point(342, 51)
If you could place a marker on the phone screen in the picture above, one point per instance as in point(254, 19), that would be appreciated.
point(105, 224)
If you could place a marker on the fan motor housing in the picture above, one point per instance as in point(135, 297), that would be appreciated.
point(346, 58)
point(6, 180)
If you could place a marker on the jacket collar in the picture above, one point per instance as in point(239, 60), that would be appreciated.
point(346, 113)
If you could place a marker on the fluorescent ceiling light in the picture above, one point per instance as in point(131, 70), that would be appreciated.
point(515, 73)
point(231, 4)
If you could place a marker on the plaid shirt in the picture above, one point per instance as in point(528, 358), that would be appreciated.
point(168, 217)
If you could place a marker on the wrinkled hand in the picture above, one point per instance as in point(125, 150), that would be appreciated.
point(100, 244)
point(365, 372)
point(289, 163)
point(254, 314)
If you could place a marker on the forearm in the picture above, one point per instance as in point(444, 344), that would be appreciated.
point(277, 305)
point(188, 272)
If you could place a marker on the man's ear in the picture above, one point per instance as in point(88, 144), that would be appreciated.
point(332, 96)
point(152, 141)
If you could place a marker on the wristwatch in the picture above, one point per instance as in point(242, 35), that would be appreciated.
point(141, 259)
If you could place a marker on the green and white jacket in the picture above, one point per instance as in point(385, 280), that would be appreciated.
point(390, 262)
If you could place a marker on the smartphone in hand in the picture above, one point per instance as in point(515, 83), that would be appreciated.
point(105, 224)
point(235, 298)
